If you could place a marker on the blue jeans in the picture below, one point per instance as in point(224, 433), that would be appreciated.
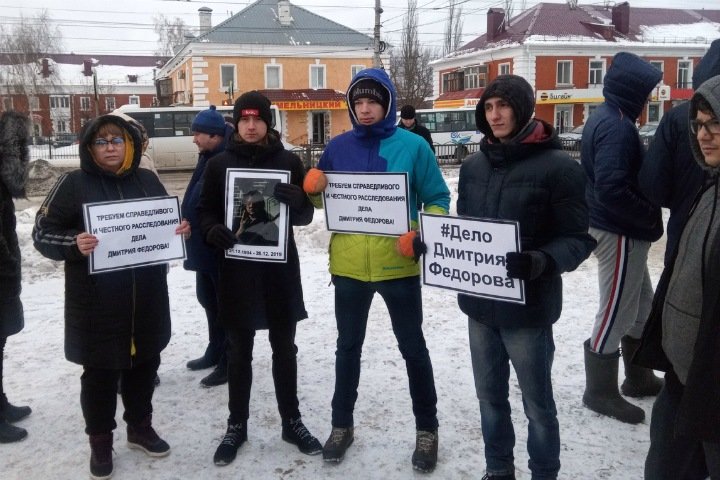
point(352, 304)
point(671, 457)
point(531, 352)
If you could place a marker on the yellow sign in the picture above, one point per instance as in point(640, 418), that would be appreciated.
point(574, 95)
point(312, 105)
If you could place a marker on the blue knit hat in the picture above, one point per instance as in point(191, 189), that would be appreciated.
point(209, 121)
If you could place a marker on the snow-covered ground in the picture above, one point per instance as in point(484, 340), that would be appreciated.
point(192, 419)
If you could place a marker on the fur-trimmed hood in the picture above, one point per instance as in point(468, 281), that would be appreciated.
point(14, 154)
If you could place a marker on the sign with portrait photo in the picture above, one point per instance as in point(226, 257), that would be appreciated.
point(259, 222)
point(133, 233)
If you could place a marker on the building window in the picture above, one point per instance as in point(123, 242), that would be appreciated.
point(7, 103)
point(319, 124)
point(504, 69)
point(85, 104)
point(134, 100)
point(109, 103)
point(683, 76)
point(60, 102)
point(273, 76)
point(61, 126)
point(596, 68)
point(354, 69)
point(317, 76)
point(653, 111)
point(564, 72)
point(227, 78)
point(34, 103)
point(453, 82)
point(660, 65)
point(471, 78)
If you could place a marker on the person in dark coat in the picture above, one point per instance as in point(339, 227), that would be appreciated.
point(521, 173)
point(409, 122)
point(14, 157)
point(624, 223)
point(210, 134)
point(669, 176)
point(117, 322)
point(255, 295)
point(682, 334)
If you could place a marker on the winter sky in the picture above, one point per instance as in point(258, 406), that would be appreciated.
point(126, 27)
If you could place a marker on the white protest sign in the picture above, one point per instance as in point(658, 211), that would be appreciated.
point(371, 203)
point(468, 255)
point(134, 233)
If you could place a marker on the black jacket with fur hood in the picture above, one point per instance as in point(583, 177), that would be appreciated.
point(13, 175)
point(113, 319)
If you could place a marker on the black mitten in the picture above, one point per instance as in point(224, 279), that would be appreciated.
point(419, 247)
point(526, 265)
point(220, 237)
point(290, 194)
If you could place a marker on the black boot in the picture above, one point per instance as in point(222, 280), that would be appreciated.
point(601, 389)
point(142, 436)
point(235, 436)
point(10, 433)
point(424, 458)
point(12, 413)
point(101, 463)
point(295, 432)
point(639, 381)
point(209, 359)
point(217, 377)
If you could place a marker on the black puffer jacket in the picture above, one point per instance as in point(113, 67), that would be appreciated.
point(253, 293)
point(13, 175)
point(533, 181)
point(105, 313)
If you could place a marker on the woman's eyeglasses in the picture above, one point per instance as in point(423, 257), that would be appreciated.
point(103, 143)
point(711, 126)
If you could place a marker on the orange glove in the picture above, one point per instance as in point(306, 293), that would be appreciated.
point(410, 245)
point(315, 181)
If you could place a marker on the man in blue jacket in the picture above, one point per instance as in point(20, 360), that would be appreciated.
point(624, 223)
point(210, 134)
point(363, 265)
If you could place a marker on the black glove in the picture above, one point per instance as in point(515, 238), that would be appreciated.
point(220, 237)
point(411, 245)
point(526, 265)
point(419, 248)
point(290, 194)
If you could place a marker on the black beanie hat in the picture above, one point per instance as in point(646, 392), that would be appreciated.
point(369, 88)
point(407, 112)
point(255, 104)
point(517, 92)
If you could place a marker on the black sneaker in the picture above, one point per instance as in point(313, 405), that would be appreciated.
point(101, 463)
point(142, 436)
point(337, 444)
point(293, 431)
point(12, 413)
point(488, 476)
point(424, 458)
point(235, 436)
point(217, 377)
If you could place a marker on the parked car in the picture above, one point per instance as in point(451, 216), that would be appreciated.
point(647, 131)
point(573, 135)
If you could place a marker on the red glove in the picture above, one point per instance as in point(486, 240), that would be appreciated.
point(315, 181)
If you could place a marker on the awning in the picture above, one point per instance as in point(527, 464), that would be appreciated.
point(307, 99)
point(459, 99)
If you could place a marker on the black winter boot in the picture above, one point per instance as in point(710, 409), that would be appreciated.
point(601, 389)
point(142, 436)
point(12, 413)
point(217, 377)
point(295, 432)
point(235, 436)
point(209, 359)
point(639, 381)
point(424, 458)
point(10, 433)
point(101, 463)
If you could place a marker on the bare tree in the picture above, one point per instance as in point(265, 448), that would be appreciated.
point(24, 48)
point(170, 32)
point(453, 28)
point(410, 69)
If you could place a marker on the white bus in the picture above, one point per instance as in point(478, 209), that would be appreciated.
point(171, 140)
point(452, 129)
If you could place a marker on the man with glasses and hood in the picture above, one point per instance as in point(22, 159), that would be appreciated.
point(682, 335)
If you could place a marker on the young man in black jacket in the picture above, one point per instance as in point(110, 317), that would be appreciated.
point(522, 174)
point(409, 122)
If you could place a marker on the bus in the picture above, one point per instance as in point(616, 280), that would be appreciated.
point(171, 144)
point(453, 130)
